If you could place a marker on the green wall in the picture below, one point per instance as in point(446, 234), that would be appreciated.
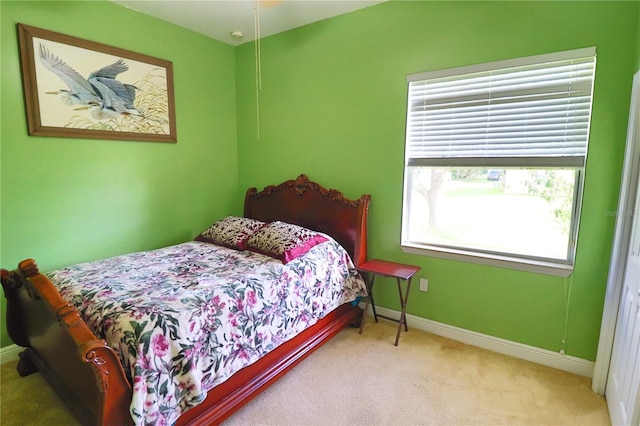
point(333, 104)
point(70, 200)
point(638, 47)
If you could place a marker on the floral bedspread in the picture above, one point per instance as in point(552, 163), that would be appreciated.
point(184, 318)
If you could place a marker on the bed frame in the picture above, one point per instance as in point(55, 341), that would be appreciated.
point(87, 373)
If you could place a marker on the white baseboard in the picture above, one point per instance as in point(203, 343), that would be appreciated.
point(557, 360)
point(10, 353)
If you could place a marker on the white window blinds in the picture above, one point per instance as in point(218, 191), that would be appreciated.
point(531, 111)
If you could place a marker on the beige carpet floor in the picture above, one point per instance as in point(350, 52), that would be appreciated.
point(365, 380)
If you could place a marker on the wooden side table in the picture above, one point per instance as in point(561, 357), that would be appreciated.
point(384, 268)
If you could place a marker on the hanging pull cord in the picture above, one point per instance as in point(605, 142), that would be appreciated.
point(568, 281)
point(256, 16)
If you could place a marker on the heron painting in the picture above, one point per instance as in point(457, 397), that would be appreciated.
point(101, 92)
point(79, 88)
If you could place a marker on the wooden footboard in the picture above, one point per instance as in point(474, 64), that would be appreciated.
point(88, 375)
point(83, 370)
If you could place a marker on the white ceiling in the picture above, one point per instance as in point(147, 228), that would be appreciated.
point(219, 18)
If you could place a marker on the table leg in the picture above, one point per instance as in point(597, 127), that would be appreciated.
point(373, 303)
point(369, 284)
point(403, 304)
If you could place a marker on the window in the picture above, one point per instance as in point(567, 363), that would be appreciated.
point(494, 161)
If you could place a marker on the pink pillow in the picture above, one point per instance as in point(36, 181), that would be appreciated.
point(230, 232)
point(283, 241)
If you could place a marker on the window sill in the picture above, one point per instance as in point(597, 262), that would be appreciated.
point(527, 265)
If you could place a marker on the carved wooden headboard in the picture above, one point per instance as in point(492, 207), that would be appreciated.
point(306, 203)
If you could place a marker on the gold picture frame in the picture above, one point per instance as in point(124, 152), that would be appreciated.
point(78, 88)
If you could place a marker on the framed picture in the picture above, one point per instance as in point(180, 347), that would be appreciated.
point(82, 89)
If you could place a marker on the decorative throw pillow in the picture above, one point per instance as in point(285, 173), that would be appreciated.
point(230, 231)
point(283, 241)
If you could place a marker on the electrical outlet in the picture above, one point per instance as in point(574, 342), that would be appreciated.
point(424, 284)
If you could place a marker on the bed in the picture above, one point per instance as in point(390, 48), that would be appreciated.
point(100, 381)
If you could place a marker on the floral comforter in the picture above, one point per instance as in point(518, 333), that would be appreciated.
point(184, 318)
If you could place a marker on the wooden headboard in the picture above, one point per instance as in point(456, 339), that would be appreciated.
point(306, 203)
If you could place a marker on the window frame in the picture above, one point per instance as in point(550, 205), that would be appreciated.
point(557, 267)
